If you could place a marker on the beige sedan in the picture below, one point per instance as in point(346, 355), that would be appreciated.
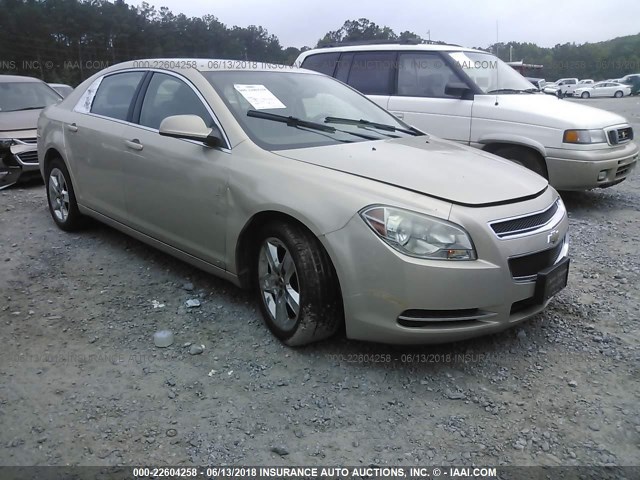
point(291, 183)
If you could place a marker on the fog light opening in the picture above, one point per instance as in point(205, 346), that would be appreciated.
point(602, 175)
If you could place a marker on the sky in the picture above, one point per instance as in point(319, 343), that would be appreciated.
point(470, 23)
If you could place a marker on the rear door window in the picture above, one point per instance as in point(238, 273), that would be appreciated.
point(115, 94)
point(322, 62)
point(372, 73)
point(343, 67)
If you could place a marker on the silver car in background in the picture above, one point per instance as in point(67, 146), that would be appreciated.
point(603, 89)
point(291, 183)
point(62, 88)
point(21, 101)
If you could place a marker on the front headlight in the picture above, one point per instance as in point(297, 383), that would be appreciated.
point(584, 136)
point(419, 235)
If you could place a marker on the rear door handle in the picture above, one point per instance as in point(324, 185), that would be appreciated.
point(72, 127)
point(134, 144)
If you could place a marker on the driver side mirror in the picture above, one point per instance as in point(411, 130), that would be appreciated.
point(458, 89)
point(191, 127)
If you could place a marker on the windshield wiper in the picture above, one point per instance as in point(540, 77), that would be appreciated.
point(367, 123)
point(299, 123)
point(513, 90)
point(25, 108)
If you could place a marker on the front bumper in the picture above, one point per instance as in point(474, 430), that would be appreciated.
point(18, 162)
point(580, 169)
point(385, 293)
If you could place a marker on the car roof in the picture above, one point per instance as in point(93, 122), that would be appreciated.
point(18, 78)
point(422, 47)
point(206, 65)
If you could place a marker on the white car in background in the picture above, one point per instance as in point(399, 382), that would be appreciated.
point(603, 89)
point(472, 97)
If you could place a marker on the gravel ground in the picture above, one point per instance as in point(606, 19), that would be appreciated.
point(82, 383)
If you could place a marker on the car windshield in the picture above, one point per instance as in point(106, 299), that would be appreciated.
point(284, 110)
point(15, 96)
point(490, 73)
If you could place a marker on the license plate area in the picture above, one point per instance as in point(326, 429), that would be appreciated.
point(551, 280)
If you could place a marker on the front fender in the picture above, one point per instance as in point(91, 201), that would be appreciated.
point(490, 139)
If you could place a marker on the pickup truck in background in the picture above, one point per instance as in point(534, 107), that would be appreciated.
point(566, 86)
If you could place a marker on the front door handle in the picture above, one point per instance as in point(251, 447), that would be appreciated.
point(134, 144)
point(72, 127)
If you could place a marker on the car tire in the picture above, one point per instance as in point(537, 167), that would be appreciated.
point(618, 94)
point(297, 286)
point(525, 157)
point(61, 197)
point(585, 95)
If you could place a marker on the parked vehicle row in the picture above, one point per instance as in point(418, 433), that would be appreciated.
point(586, 88)
point(338, 209)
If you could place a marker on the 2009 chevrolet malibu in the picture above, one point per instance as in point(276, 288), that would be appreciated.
point(291, 183)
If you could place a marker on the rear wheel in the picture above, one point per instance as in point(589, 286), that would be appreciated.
point(297, 285)
point(618, 94)
point(525, 157)
point(61, 197)
point(585, 95)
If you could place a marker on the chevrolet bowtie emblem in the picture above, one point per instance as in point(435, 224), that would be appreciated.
point(553, 237)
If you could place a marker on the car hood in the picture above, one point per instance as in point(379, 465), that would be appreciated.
point(542, 110)
point(23, 120)
point(429, 165)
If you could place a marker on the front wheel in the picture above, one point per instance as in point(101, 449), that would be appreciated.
point(297, 285)
point(618, 94)
point(525, 157)
point(585, 95)
point(61, 197)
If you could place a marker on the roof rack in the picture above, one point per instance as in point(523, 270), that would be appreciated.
point(409, 41)
point(373, 42)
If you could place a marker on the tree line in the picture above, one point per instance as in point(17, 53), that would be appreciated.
point(68, 40)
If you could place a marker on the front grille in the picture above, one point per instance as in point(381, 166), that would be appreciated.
point(522, 305)
point(30, 140)
point(526, 224)
point(623, 170)
point(530, 265)
point(621, 135)
point(444, 318)
point(28, 157)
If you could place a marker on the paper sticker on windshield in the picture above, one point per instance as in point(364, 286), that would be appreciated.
point(259, 96)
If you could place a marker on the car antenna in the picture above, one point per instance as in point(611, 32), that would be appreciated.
point(497, 68)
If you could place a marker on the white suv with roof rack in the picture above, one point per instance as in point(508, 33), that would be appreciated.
point(472, 97)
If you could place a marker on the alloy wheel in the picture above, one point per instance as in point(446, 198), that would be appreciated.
point(279, 283)
point(58, 195)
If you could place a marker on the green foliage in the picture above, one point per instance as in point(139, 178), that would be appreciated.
point(358, 30)
point(69, 40)
point(599, 61)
